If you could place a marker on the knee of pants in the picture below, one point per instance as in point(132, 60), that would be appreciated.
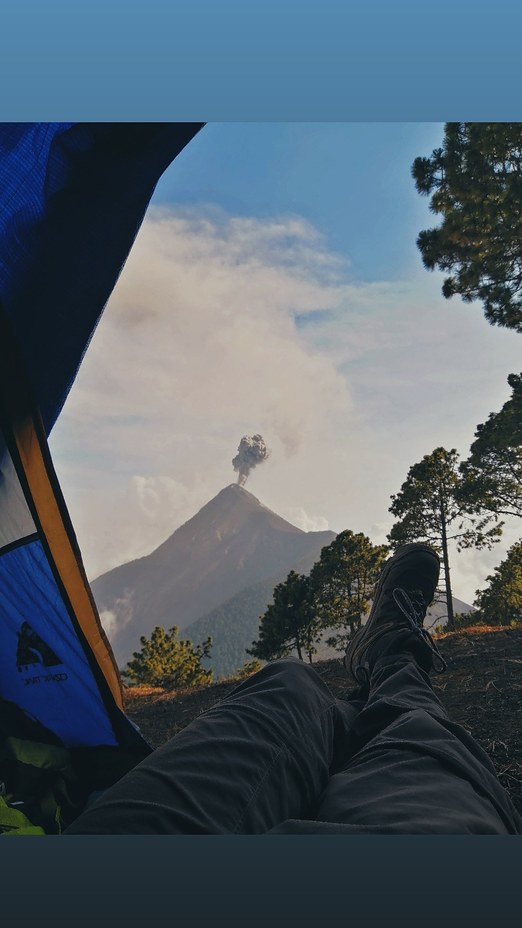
point(287, 680)
point(296, 677)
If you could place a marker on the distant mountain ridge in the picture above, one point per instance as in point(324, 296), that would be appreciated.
point(233, 543)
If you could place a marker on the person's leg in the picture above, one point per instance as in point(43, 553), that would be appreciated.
point(408, 768)
point(411, 769)
point(260, 756)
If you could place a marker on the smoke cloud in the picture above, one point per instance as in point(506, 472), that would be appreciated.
point(251, 452)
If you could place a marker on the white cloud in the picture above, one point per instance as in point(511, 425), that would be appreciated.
point(308, 523)
point(221, 327)
point(198, 347)
point(115, 619)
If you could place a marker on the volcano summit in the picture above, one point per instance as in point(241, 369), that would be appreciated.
point(232, 544)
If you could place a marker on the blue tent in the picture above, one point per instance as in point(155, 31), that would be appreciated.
point(72, 199)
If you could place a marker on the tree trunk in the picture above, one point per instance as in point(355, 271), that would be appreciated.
point(298, 646)
point(309, 645)
point(445, 557)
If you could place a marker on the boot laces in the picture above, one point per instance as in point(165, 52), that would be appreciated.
point(414, 607)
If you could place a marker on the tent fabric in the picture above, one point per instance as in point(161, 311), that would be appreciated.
point(53, 646)
point(73, 197)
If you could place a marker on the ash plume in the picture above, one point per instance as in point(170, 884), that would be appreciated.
point(251, 452)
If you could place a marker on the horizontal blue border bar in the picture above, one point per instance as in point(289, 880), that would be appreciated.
point(261, 60)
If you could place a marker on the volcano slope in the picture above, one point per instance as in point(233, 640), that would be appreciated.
point(482, 690)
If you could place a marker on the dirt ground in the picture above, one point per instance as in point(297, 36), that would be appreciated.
point(482, 690)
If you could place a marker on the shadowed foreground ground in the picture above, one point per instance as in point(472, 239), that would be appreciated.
point(482, 690)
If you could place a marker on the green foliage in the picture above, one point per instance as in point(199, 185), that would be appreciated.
point(289, 622)
point(501, 602)
point(461, 620)
point(245, 671)
point(467, 619)
point(342, 583)
point(165, 660)
point(492, 475)
point(429, 508)
point(335, 596)
point(475, 182)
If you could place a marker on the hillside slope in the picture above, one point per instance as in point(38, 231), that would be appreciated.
point(234, 625)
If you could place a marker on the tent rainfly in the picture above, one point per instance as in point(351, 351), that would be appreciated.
point(72, 197)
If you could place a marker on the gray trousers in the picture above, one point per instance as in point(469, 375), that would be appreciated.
point(281, 755)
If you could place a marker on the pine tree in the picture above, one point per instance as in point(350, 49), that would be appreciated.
point(492, 475)
point(342, 583)
point(429, 508)
point(165, 660)
point(475, 182)
point(289, 622)
point(501, 602)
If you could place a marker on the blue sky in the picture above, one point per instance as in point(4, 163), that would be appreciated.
point(276, 287)
point(351, 180)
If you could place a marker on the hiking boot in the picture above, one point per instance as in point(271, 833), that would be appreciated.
point(403, 593)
